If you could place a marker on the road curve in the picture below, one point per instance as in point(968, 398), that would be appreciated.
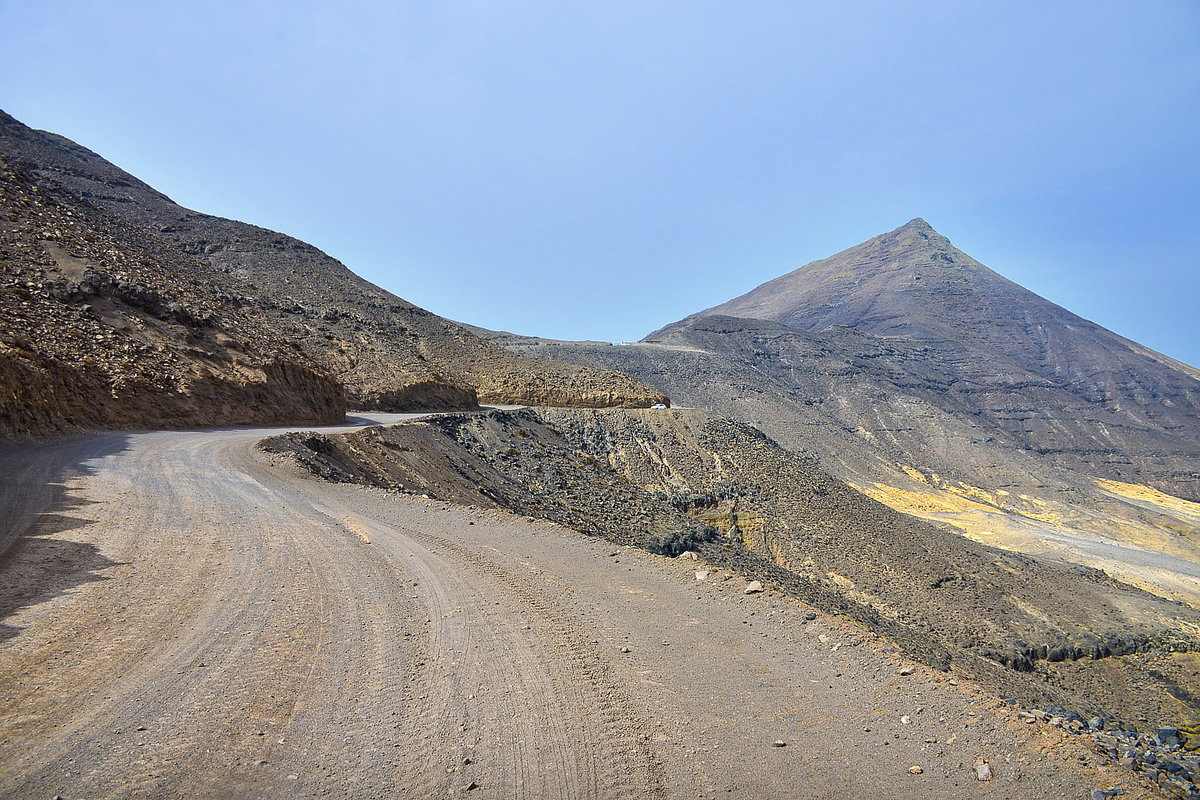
point(182, 616)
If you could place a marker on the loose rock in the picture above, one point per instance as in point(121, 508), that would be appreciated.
point(1169, 737)
point(754, 587)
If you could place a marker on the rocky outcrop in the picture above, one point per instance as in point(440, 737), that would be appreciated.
point(514, 460)
point(99, 328)
point(388, 354)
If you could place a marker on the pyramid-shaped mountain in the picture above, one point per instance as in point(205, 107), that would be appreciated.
point(913, 283)
point(926, 319)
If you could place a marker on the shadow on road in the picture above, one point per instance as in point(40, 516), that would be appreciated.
point(35, 564)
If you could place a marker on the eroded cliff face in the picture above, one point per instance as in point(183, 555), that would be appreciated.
point(668, 480)
point(99, 329)
point(388, 354)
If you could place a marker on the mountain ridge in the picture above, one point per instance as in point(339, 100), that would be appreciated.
point(1038, 431)
point(284, 295)
point(900, 264)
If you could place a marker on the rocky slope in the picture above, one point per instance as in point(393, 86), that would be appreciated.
point(104, 326)
point(669, 480)
point(953, 333)
point(958, 397)
point(387, 353)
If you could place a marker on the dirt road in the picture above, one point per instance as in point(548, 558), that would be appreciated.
point(182, 617)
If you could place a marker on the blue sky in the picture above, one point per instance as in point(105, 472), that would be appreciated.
point(596, 170)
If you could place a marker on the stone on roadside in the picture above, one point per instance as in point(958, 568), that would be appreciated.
point(754, 587)
point(906, 671)
point(914, 770)
point(702, 574)
point(810, 615)
point(779, 743)
point(983, 771)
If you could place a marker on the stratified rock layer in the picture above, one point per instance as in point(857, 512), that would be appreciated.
point(934, 324)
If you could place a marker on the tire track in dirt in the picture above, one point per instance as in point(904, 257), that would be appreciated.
point(499, 650)
point(280, 637)
point(206, 649)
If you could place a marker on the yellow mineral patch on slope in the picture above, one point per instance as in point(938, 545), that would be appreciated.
point(921, 503)
point(1129, 550)
point(1185, 509)
point(999, 500)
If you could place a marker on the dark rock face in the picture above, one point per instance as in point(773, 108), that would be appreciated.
point(162, 265)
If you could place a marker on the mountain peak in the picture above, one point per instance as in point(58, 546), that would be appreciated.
point(908, 282)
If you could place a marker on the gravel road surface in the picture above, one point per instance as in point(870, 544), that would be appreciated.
point(182, 616)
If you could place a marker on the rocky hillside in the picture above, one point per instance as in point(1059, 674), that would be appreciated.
point(956, 396)
point(904, 350)
point(387, 353)
point(104, 326)
point(670, 480)
point(944, 329)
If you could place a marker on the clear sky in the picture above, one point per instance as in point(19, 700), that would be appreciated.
point(596, 170)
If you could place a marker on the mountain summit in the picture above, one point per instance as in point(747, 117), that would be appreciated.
point(909, 282)
point(992, 349)
point(913, 282)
